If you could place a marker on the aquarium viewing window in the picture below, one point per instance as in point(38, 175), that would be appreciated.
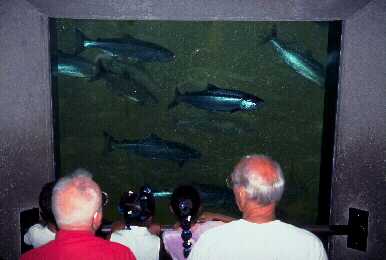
point(165, 103)
point(344, 158)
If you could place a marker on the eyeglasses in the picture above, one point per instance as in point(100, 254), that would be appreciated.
point(229, 182)
point(105, 199)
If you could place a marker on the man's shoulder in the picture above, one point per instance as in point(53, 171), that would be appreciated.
point(297, 231)
point(115, 250)
point(220, 230)
point(274, 227)
point(36, 253)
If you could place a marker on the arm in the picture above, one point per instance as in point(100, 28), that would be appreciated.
point(155, 229)
point(117, 225)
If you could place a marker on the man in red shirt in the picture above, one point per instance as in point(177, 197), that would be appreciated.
point(77, 207)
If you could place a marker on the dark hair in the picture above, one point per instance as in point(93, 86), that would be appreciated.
point(45, 203)
point(186, 202)
point(137, 208)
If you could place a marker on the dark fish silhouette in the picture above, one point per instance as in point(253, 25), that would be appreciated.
point(153, 147)
point(125, 86)
point(128, 48)
point(197, 125)
point(217, 99)
point(135, 71)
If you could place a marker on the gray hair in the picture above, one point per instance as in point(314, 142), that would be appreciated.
point(75, 199)
point(251, 173)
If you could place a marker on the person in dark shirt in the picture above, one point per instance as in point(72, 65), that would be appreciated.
point(77, 207)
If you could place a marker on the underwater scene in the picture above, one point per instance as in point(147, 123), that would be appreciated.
point(165, 103)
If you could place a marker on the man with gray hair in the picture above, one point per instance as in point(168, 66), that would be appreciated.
point(258, 185)
point(77, 207)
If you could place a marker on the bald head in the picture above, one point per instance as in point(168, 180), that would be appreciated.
point(261, 177)
point(75, 200)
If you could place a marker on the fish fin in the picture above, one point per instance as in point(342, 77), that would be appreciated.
point(108, 145)
point(100, 71)
point(104, 57)
point(175, 100)
point(211, 87)
point(116, 40)
point(79, 38)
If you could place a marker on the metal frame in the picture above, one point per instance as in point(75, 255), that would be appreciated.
point(359, 155)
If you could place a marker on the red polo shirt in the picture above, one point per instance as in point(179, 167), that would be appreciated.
point(79, 245)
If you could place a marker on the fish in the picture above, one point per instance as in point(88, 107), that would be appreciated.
point(197, 125)
point(153, 147)
point(303, 64)
point(69, 65)
point(162, 194)
point(126, 48)
point(135, 71)
point(124, 86)
point(214, 98)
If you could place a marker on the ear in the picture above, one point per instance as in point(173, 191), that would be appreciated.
point(243, 197)
point(97, 220)
point(240, 197)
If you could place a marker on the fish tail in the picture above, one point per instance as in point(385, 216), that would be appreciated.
point(271, 36)
point(174, 103)
point(80, 38)
point(274, 31)
point(109, 143)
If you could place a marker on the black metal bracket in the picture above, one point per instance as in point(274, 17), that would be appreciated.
point(356, 230)
point(358, 223)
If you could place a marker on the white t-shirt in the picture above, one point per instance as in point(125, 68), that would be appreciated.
point(38, 235)
point(244, 240)
point(142, 243)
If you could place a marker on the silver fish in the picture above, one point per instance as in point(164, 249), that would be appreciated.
point(305, 66)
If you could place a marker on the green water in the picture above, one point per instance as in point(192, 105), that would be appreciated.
point(228, 54)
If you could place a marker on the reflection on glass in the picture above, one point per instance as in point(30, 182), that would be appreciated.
point(165, 103)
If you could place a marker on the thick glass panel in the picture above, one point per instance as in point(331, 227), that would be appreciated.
point(127, 90)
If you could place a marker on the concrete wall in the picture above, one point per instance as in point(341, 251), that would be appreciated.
point(359, 177)
point(26, 156)
point(201, 9)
